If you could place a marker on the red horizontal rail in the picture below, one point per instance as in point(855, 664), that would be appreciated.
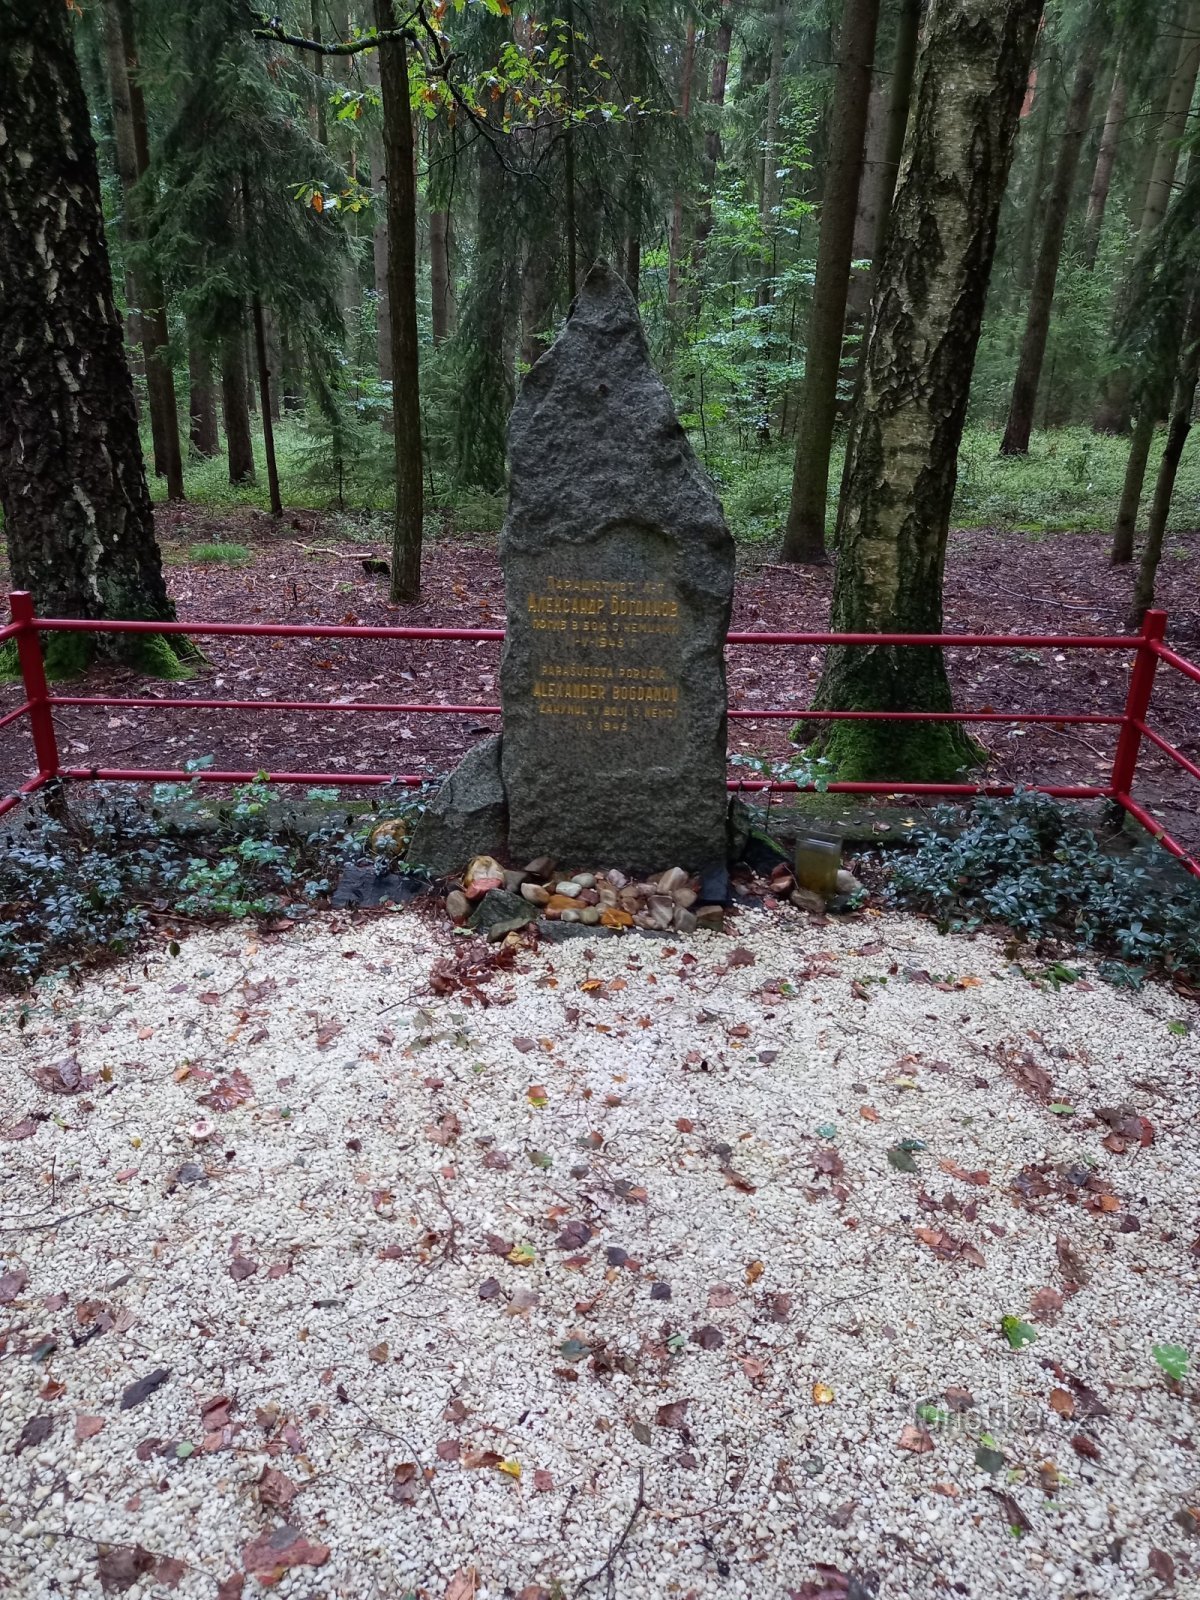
point(10, 630)
point(1174, 659)
point(297, 630)
point(207, 775)
point(180, 704)
point(275, 630)
point(999, 790)
point(1038, 641)
point(1169, 749)
point(11, 716)
point(177, 704)
point(934, 716)
point(1159, 833)
point(8, 801)
point(410, 780)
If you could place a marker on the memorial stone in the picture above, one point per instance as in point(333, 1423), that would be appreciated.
point(618, 571)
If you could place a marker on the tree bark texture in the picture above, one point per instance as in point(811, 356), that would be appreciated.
point(235, 406)
point(712, 143)
point(265, 405)
point(1041, 91)
point(804, 538)
point(900, 482)
point(148, 298)
point(1125, 528)
point(1058, 205)
point(379, 238)
point(1116, 398)
point(685, 111)
point(202, 404)
point(398, 155)
point(439, 274)
point(1178, 429)
point(1175, 118)
point(77, 512)
point(1106, 160)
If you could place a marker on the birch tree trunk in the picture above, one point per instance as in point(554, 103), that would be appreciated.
point(804, 537)
point(1058, 205)
point(76, 508)
point(899, 484)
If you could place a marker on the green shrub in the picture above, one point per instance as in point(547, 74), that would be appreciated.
point(1039, 868)
point(78, 889)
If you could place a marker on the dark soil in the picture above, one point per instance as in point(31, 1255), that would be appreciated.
point(302, 571)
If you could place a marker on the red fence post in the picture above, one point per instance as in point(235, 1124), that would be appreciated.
point(1137, 704)
point(37, 691)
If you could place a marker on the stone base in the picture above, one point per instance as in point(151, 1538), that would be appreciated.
point(467, 817)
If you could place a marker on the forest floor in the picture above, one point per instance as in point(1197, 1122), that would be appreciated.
point(242, 565)
point(827, 1259)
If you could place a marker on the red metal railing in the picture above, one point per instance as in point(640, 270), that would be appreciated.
point(1147, 650)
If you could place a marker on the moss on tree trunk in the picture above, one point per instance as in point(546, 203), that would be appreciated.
point(900, 478)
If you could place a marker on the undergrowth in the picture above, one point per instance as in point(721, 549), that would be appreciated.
point(80, 886)
point(1039, 868)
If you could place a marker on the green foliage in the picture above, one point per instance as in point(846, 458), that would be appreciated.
point(79, 888)
point(1173, 1359)
point(220, 554)
point(1038, 867)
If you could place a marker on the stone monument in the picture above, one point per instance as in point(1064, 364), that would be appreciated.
point(618, 572)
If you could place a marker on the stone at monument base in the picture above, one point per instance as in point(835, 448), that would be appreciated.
point(467, 817)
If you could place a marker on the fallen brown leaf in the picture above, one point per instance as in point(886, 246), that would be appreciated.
point(914, 1436)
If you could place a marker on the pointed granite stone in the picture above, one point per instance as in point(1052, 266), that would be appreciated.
point(618, 572)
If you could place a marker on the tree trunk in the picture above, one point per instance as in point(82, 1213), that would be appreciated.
point(768, 220)
point(1106, 159)
point(77, 514)
point(235, 406)
point(264, 392)
point(132, 158)
point(274, 360)
point(712, 144)
point(402, 299)
point(899, 487)
point(908, 31)
point(1175, 118)
point(537, 297)
point(1058, 205)
point(1177, 431)
point(1034, 214)
point(883, 175)
point(685, 108)
point(1131, 490)
point(379, 242)
point(804, 539)
point(1112, 412)
point(439, 274)
point(203, 403)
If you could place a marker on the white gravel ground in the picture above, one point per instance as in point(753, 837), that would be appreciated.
point(326, 1271)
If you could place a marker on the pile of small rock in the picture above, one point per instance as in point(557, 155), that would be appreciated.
point(496, 900)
